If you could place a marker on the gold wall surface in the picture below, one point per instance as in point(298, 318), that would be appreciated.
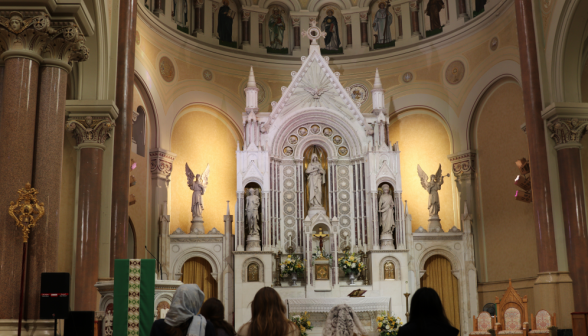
point(423, 140)
point(506, 235)
point(203, 135)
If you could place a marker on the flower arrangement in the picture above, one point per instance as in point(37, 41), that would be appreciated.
point(302, 322)
point(388, 325)
point(320, 255)
point(350, 263)
point(292, 264)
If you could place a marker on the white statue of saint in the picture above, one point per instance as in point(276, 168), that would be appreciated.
point(198, 184)
point(252, 209)
point(316, 179)
point(386, 210)
point(432, 186)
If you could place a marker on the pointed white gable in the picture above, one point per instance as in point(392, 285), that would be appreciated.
point(315, 85)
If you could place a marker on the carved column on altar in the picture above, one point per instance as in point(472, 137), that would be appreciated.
point(464, 169)
point(307, 249)
point(261, 18)
point(240, 224)
point(251, 124)
point(567, 130)
point(90, 130)
point(161, 164)
point(265, 222)
point(363, 19)
point(399, 220)
point(347, 19)
point(198, 17)
point(296, 27)
point(23, 36)
point(414, 18)
point(334, 250)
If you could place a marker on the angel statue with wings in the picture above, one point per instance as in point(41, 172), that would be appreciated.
point(432, 186)
point(198, 185)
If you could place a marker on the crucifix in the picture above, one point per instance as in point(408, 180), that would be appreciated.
point(321, 236)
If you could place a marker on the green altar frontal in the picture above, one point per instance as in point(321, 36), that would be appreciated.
point(134, 296)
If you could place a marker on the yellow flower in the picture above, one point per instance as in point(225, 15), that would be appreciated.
point(289, 256)
point(308, 323)
point(302, 328)
point(379, 318)
point(351, 258)
point(379, 324)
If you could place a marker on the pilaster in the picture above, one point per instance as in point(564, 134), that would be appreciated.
point(463, 166)
point(255, 20)
point(161, 162)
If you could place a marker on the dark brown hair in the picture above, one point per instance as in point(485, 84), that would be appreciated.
point(268, 315)
point(213, 310)
point(180, 330)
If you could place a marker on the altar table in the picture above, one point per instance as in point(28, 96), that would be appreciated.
point(324, 305)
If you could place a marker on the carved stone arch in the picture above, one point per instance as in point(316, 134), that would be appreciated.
point(253, 179)
point(396, 263)
point(151, 115)
point(390, 180)
point(280, 130)
point(292, 5)
point(197, 252)
point(444, 252)
point(316, 5)
point(318, 140)
point(106, 300)
point(250, 261)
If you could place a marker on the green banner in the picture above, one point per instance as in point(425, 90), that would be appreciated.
point(134, 296)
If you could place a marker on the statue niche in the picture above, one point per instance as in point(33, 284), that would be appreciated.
point(386, 209)
point(253, 215)
point(316, 196)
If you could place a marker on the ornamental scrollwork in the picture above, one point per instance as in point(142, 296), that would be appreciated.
point(89, 129)
point(161, 163)
point(67, 43)
point(28, 30)
point(564, 131)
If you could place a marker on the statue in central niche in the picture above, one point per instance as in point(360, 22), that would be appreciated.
point(316, 179)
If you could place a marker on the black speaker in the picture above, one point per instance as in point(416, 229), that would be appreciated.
point(79, 323)
point(54, 295)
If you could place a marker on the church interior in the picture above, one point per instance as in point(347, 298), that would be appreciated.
point(338, 151)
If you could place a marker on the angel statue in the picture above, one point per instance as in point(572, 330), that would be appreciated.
point(316, 179)
point(198, 185)
point(432, 186)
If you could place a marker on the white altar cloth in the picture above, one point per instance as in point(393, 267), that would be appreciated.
point(324, 305)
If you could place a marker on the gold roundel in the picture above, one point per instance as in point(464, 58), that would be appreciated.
point(327, 132)
point(337, 140)
point(293, 139)
point(314, 129)
point(343, 151)
point(288, 151)
point(166, 69)
point(302, 131)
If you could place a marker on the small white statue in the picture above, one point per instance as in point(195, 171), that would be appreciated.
point(316, 179)
point(386, 210)
point(198, 185)
point(432, 186)
point(252, 209)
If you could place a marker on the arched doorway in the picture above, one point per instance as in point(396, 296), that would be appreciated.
point(439, 277)
point(198, 271)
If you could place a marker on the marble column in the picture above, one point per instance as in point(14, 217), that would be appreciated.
point(414, 18)
point(198, 16)
point(246, 29)
point(68, 45)
point(567, 133)
point(90, 133)
point(398, 12)
point(17, 126)
point(347, 19)
point(544, 230)
point(363, 19)
point(161, 163)
point(261, 18)
point(296, 26)
point(125, 76)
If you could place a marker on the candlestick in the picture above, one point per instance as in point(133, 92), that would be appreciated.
point(406, 295)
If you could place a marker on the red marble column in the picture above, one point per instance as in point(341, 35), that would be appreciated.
point(47, 180)
point(123, 131)
point(544, 230)
point(349, 35)
point(399, 25)
point(17, 127)
point(296, 37)
point(363, 29)
point(261, 34)
point(90, 133)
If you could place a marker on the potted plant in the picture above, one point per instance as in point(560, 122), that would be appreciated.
point(293, 266)
point(351, 265)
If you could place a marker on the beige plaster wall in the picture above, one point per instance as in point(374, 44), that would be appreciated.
point(505, 232)
point(67, 205)
point(429, 149)
point(202, 135)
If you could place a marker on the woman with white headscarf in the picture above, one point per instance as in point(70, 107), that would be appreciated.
point(343, 321)
point(183, 319)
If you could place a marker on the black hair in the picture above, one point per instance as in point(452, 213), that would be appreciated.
point(426, 307)
point(213, 310)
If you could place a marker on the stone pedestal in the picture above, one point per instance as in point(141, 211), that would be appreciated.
point(253, 243)
point(197, 225)
point(435, 224)
point(322, 282)
point(313, 211)
point(386, 241)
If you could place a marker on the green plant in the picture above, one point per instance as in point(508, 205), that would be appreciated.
point(388, 325)
point(350, 263)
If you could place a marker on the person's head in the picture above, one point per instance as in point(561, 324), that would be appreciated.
point(426, 306)
point(214, 311)
point(268, 314)
point(185, 305)
point(382, 5)
point(329, 12)
point(314, 157)
point(386, 189)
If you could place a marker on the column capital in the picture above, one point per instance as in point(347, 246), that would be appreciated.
point(295, 22)
point(363, 16)
point(161, 161)
point(347, 19)
point(66, 44)
point(567, 132)
point(397, 10)
point(463, 163)
point(24, 34)
point(246, 15)
point(414, 5)
point(90, 131)
point(198, 3)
